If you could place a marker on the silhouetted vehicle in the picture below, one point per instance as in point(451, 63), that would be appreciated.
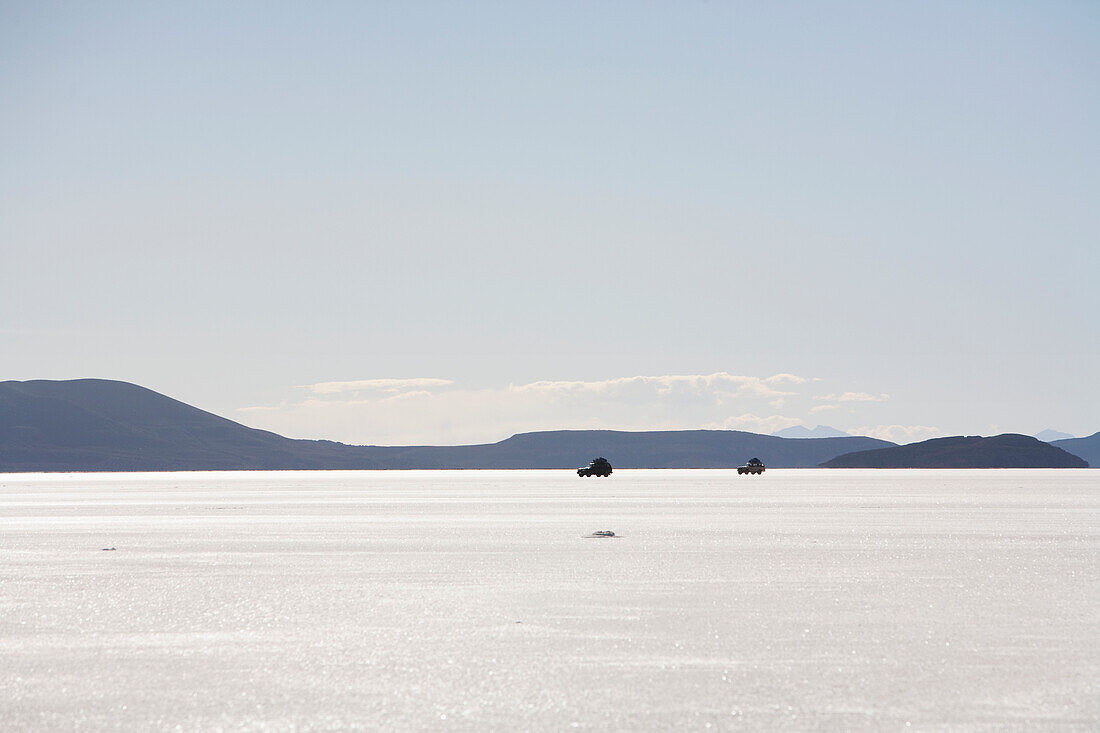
point(754, 466)
point(598, 467)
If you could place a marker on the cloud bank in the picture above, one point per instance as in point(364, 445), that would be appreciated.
point(900, 434)
point(853, 397)
point(433, 410)
point(375, 385)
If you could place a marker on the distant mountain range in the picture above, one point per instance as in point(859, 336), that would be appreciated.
point(1087, 448)
point(1049, 436)
point(104, 425)
point(1000, 451)
point(821, 431)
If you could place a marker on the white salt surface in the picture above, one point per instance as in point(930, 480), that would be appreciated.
point(469, 600)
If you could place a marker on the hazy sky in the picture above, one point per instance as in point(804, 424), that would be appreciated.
point(404, 222)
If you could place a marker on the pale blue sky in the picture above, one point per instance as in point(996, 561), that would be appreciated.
point(228, 202)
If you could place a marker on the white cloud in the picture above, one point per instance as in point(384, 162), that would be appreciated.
point(853, 397)
point(718, 382)
point(792, 378)
point(899, 433)
point(757, 424)
point(683, 389)
point(376, 385)
point(422, 410)
point(759, 389)
point(429, 410)
point(262, 408)
point(405, 396)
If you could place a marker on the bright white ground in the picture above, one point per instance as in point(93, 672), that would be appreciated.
point(469, 600)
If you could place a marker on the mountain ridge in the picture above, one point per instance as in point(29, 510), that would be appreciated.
point(108, 425)
point(1010, 450)
point(1087, 447)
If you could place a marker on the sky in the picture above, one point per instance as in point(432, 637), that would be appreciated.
point(444, 223)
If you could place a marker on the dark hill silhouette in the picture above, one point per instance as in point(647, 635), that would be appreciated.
point(104, 425)
point(654, 449)
point(1000, 451)
point(1087, 448)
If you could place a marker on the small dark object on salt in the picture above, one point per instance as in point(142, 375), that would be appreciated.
point(598, 467)
point(754, 467)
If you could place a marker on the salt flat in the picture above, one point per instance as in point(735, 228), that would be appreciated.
point(470, 600)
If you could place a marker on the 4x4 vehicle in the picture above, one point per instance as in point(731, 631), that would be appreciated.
point(598, 467)
point(754, 466)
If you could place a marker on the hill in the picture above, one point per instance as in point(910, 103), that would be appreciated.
point(1087, 448)
point(1000, 451)
point(104, 425)
point(654, 449)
